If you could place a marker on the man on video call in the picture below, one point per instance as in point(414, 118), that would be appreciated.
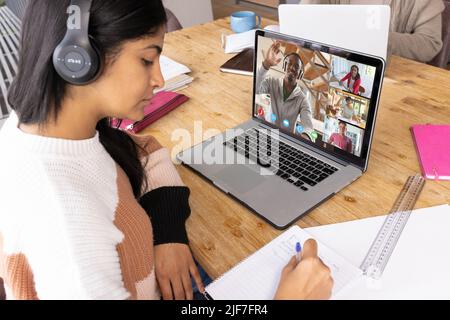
point(288, 100)
point(340, 139)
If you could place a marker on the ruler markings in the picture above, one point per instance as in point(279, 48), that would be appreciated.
point(392, 228)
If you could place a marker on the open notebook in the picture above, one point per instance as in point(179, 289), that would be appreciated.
point(257, 277)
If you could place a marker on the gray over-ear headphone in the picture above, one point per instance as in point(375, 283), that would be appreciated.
point(285, 63)
point(77, 59)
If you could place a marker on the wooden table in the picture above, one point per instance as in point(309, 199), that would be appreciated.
point(223, 232)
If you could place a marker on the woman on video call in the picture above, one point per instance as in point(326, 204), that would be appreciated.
point(88, 211)
point(416, 26)
point(353, 79)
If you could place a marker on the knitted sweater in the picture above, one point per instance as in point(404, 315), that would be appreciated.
point(70, 226)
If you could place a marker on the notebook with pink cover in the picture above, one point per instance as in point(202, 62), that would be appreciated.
point(433, 149)
point(161, 104)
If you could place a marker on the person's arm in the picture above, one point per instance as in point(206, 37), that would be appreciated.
point(166, 201)
point(422, 45)
point(306, 115)
point(165, 197)
point(349, 146)
point(262, 83)
point(270, 58)
point(79, 258)
point(347, 76)
point(355, 116)
point(331, 140)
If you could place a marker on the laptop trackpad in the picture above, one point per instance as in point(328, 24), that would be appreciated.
point(240, 178)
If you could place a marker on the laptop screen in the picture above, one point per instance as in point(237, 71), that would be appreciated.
point(324, 96)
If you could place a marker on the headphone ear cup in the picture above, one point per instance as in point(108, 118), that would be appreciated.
point(300, 75)
point(97, 61)
point(86, 62)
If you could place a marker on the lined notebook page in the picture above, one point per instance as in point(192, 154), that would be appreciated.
point(257, 277)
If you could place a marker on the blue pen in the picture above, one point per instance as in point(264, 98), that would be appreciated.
point(298, 249)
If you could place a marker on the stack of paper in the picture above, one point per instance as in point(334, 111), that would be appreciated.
point(175, 75)
point(235, 43)
point(177, 83)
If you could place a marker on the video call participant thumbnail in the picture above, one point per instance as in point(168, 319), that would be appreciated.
point(352, 80)
point(288, 100)
point(348, 111)
point(340, 139)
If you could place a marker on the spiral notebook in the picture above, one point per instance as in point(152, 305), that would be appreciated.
point(257, 277)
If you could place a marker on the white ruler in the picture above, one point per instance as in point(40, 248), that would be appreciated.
point(389, 234)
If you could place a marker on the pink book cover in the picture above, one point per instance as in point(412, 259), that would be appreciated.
point(433, 149)
point(161, 104)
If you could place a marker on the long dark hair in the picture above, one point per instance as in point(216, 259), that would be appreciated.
point(358, 76)
point(37, 92)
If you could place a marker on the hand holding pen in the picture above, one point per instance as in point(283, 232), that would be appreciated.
point(305, 276)
point(298, 249)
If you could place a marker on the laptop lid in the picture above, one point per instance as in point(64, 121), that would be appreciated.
point(361, 28)
point(323, 96)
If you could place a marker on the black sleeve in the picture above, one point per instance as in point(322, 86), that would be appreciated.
point(168, 209)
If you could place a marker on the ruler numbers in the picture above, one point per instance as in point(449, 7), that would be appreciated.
point(391, 230)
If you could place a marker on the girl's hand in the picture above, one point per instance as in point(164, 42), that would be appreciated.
point(174, 266)
point(309, 279)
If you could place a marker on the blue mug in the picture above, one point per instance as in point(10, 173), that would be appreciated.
point(242, 21)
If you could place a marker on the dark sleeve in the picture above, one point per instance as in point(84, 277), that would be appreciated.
point(168, 209)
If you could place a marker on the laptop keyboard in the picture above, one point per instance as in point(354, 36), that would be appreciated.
point(296, 167)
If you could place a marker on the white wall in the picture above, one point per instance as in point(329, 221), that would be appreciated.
point(191, 12)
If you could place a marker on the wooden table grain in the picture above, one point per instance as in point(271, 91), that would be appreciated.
point(222, 232)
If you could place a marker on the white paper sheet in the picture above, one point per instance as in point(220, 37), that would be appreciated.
point(235, 43)
point(419, 267)
point(171, 69)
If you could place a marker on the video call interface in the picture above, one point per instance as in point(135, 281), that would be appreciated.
point(317, 96)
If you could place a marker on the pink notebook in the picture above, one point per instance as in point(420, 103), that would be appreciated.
point(161, 104)
point(433, 149)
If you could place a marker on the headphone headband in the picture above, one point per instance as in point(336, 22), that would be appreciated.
point(78, 21)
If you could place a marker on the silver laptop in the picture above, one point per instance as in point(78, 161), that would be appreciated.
point(313, 117)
